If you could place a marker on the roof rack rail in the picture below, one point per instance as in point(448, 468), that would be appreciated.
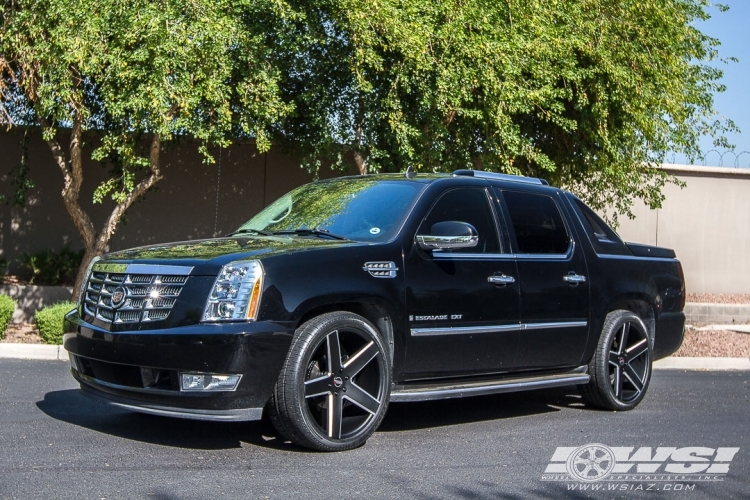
point(501, 177)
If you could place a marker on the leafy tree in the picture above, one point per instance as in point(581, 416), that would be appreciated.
point(141, 73)
point(590, 94)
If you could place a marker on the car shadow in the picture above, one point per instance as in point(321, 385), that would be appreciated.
point(72, 407)
point(411, 416)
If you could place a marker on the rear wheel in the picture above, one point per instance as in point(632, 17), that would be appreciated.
point(621, 367)
point(333, 390)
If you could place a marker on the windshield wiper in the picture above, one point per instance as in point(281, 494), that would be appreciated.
point(312, 232)
point(250, 231)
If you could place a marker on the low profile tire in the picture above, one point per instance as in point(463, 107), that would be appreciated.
point(621, 367)
point(333, 390)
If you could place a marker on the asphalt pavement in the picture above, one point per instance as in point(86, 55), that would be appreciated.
point(58, 444)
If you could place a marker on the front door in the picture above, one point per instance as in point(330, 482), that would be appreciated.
point(462, 304)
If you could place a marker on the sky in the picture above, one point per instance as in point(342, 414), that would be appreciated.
point(731, 29)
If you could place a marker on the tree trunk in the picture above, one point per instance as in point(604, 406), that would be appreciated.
point(94, 243)
point(361, 163)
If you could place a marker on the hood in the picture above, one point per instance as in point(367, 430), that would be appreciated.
point(207, 256)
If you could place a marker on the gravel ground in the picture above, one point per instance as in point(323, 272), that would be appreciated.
point(711, 343)
point(719, 298)
point(714, 344)
point(22, 333)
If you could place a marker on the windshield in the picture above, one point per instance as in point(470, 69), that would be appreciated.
point(356, 209)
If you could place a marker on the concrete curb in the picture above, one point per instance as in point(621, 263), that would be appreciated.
point(58, 352)
point(33, 351)
point(703, 364)
point(729, 328)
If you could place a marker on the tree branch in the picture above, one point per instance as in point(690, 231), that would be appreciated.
point(114, 218)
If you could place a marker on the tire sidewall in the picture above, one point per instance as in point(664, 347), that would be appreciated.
point(613, 326)
point(308, 338)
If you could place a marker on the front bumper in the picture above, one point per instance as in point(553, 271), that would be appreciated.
point(141, 370)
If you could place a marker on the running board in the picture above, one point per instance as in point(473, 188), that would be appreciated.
point(431, 392)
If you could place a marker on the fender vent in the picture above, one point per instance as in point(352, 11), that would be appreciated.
point(381, 269)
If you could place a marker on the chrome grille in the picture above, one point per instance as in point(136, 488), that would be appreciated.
point(138, 297)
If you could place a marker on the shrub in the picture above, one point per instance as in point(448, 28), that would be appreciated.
point(49, 320)
point(48, 267)
point(7, 306)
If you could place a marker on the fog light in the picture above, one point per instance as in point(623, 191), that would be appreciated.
point(209, 382)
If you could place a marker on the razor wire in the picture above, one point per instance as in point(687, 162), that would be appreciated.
point(716, 158)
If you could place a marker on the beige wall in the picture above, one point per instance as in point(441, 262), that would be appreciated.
point(707, 223)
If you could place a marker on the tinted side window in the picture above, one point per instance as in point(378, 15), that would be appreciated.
point(602, 237)
point(537, 222)
point(466, 205)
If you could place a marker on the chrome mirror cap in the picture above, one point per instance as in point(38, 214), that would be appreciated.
point(449, 235)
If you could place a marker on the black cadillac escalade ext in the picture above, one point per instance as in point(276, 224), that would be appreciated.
point(349, 293)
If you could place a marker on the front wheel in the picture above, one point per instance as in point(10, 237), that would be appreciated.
point(621, 367)
point(333, 390)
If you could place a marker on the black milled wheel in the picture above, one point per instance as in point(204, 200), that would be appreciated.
point(621, 367)
point(333, 390)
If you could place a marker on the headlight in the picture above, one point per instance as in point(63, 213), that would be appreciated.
point(236, 292)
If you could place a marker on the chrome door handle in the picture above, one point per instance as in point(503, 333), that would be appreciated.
point(501, 280)
point(574, 279)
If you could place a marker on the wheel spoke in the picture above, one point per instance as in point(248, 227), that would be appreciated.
point(334, 352)
point(638, 349)
point(624, 338)
point(362, 398)
point(614, 358)
point(633, 377)
point(361, 358)
point(617, 382)
point(335, 417)
point(318, 386)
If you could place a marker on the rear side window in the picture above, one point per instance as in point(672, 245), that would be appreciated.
point(603, 238)
point(537, 222)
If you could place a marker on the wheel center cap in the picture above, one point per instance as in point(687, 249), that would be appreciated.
point(622, 360)
point(337, 381)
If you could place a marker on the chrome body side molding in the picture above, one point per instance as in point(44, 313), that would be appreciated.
point(469, 330)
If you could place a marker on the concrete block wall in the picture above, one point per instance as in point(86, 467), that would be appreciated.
point(707, 224)
point(30, 299)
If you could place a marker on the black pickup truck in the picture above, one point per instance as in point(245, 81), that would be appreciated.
point(349, 293)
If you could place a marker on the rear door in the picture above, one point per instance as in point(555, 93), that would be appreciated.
point(554, 287)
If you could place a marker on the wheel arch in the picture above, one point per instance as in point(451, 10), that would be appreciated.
point(375, 310)
point(641, 306)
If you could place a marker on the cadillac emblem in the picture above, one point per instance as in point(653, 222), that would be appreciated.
point(118, 297)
